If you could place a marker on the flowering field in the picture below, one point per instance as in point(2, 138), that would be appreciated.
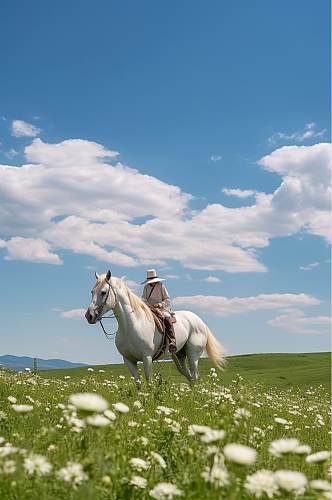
point(95, 437)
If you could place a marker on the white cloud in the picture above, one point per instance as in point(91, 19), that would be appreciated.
point(296, 322)
point(21, 128)
point(11, 153)
point(172, 276)
point(212, 279)
point(308, 132)
point(73, 314)
point(29, 249)
point(131, 283)
point(225, 306)
point(239, 193)
point(74, 195)
point(215, 157)
point(309, 267)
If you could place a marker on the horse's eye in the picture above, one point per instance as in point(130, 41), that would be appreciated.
point(103, 292)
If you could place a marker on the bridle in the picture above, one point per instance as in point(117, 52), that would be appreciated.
point(99, 309)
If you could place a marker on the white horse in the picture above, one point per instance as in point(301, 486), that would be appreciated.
point(137, 338)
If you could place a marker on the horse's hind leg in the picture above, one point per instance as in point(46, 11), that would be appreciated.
point(193, 358)
point(180, 362)
point(147, 363)
point(132, 366)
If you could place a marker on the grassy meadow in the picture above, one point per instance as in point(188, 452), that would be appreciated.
point(258, 430)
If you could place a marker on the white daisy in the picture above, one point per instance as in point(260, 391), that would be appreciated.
point(280, 447)
point(240, 454)
point(22, 408)
point(139, 463)
point(291, 481)
point(73, 473)
point(138, 482)
point(89, 402)
point(159, 459)
point(98, 421)
point(213, 435)
point(262, 483)
point(320, 456)
point(165, 491)
point(121, 407)
point(320, 485)
point(37, 464)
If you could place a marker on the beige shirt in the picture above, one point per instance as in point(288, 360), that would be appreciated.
point(159, 295)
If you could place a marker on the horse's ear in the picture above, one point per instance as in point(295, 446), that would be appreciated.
point(97, 276)
point(108, 275)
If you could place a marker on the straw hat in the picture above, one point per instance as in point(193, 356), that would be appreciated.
point(151, 277)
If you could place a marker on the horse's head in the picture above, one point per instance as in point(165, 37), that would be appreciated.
point(103, 298)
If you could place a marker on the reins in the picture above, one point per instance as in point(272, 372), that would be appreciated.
point(109, 336)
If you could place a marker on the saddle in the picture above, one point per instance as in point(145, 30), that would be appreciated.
point(159, 320)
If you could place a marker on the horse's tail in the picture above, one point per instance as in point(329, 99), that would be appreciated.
point(215, 350)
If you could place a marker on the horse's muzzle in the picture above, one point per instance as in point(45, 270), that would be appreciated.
point(91, 316)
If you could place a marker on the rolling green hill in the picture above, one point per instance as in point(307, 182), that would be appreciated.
point(281, 370)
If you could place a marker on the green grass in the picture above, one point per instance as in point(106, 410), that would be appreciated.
point(243, 401)
point(280, 370)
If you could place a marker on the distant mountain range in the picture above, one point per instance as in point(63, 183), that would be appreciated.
point(18, 363)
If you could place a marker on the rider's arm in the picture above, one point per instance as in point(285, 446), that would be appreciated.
point(166, 301)
point(144, 295)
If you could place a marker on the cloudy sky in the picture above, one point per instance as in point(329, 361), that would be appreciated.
point(192, 137)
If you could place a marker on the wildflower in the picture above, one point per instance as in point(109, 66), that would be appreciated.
point(320, 485)
point(139, 463)
point(98, 421)
point(281, 421)
point(282, 446)
point(320, 456)
point(240, 454)
point(143, 440)
point(159, 459)
point(137, 405)
point(291, 480)
point(37, 464)
point(262, 483)
point(211, 450)
point(9, 467)
point(89, 402)
point(90, 370)
point(22, 408)
point(51, 447)
point(212, 435)
point(218, 474)
point(198, 429)
point(165, 491)
point(73, 473)
point(242, 413)
point(12, 399)
point(138, 482)
point(303, 449)
point(165, 410)
point(110, 414)
point(121, 407)
point(106, 480)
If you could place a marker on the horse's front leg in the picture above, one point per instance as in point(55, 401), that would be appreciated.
point(132, 366)
point(147, 363)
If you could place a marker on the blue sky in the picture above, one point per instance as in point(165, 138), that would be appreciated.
point(203, 98)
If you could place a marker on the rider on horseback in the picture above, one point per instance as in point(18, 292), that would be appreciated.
point(156, 296)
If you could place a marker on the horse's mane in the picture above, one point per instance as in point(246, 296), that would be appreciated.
point(137, 304)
